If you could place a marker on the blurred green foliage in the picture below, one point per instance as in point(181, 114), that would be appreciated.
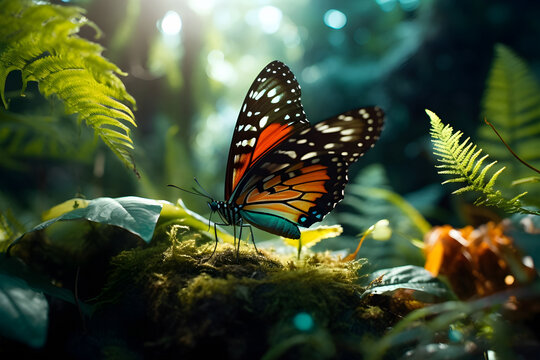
point(512, 104)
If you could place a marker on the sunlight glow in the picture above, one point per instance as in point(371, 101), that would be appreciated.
point(171, 24)
point(220, 69)
point(335, 19)
point(269, 19)
point(203, 7)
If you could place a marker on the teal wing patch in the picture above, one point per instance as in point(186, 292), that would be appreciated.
point(272, 224)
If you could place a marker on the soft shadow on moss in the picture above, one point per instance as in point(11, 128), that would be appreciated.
point(171, 300)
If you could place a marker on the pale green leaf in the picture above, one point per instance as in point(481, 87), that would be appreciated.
point(137, 215)
point(387, 281)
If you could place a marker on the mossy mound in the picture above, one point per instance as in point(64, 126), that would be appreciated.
point(171, 300)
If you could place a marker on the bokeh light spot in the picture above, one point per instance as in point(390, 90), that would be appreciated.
point(509, 280)
point(203, 7)
point(303, 321)
point(311, 74)
point(270, 19)
point(386, 5)
point(335, 19)
point(171, 24)
point(409, 5)
point(220, 69)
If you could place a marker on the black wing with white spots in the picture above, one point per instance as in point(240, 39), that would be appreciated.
point(270, 113)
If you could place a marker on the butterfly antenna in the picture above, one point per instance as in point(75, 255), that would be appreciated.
point(195, 192)
point(203, 189)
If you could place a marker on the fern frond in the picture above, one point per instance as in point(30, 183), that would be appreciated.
point(460, 160)
point(512, 104)
point(40, 41)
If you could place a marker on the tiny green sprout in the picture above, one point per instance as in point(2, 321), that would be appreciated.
point(381, 230)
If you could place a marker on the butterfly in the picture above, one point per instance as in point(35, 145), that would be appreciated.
point(282, 172)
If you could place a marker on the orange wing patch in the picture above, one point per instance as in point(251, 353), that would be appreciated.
point(278, 209)
point(256, 196)
point(271, 136)
point(301, 205)
point(310, 196)
point(296, 167)
point(272, 182)
point(314, 186)
point(312, 168)
point(312, 176)
point(281, 187)
point(240, 167)
point(292, 198)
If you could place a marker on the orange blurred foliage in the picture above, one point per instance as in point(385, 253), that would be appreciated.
point(477, 262)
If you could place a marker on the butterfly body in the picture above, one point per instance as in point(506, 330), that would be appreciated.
point(232, 214)
point(282, 172)
point(229, 213)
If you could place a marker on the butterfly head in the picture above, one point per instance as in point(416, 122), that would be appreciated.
point(229, 213)
point(214, 205)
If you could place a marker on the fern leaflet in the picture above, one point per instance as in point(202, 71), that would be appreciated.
point(512, 103)
point(40, 41)
point(460, 160)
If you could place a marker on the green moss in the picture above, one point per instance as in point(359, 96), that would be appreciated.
point(182, 303)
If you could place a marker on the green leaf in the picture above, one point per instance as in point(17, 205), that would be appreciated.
point(137, 215)
point(23, 310)
point(171, 214)
point(387, 281)
point(10, 266)
point(23, 306)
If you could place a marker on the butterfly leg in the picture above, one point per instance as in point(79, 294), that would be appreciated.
point(237, 246)
point(252, 237)
point(242, 225)
point(216, 237)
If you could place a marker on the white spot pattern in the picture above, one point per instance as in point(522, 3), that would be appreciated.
point(262, 122)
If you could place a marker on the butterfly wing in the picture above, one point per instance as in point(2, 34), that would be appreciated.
point(302, 180)
point(271, 112)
